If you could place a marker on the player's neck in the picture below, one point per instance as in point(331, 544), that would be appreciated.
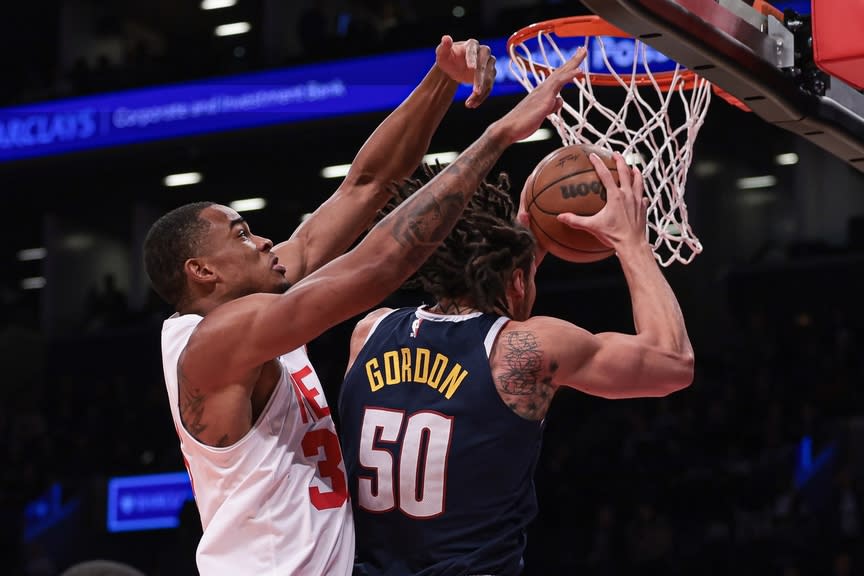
point(452, 308)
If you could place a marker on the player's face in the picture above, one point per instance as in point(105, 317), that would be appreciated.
point(242, 261)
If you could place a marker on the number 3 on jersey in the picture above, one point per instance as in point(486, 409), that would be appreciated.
point(413, 481)
point(328, 467)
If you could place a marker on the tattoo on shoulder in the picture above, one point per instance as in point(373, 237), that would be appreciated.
point(523, 362)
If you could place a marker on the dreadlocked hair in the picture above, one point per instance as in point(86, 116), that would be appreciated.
point(486, 245)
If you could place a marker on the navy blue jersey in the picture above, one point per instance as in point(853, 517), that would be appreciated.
point(441, 471)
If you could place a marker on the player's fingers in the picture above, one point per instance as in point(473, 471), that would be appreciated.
point(624, 174)
point(574, 220)
point(484, 76)
point(603, 172)
point(491, 73)
point(471, 46)
point(445, 46)
point(566, 73)
point(638, 183)
point(579, 56)
point(484, 60)
point(559, 103)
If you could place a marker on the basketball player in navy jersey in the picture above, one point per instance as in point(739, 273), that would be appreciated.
point(442, 407)
point(254, 425)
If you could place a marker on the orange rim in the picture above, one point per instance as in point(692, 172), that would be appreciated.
point(586, 26)
point(594, 26)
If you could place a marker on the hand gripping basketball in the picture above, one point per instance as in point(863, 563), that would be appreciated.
point(622, 221)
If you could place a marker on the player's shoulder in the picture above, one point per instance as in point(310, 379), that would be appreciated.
point(373, 317)
point(546, 328)
point(365, 324)
point(530, 324)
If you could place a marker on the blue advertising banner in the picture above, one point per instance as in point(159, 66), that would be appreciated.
point(244, 101)
point(147, 502)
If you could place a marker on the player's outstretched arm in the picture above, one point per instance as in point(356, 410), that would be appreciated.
point(659, 358)
point(608, 364)
point(392, 152)
point(394, 249)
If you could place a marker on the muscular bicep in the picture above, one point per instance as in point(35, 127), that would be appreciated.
point(610, 364)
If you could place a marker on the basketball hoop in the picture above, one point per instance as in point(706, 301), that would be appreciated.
point(642, 129)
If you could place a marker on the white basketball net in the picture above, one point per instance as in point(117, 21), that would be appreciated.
point(641, 130)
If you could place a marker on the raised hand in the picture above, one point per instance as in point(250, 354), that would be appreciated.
point(527, 116)
point(468, 62)
point(623, 219)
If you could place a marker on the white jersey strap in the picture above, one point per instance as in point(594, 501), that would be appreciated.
point(493, 333)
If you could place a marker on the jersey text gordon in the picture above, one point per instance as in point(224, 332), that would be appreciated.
point(417, 366)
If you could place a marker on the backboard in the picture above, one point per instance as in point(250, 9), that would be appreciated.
point(762, 56)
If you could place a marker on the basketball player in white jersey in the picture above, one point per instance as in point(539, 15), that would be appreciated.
point(255, 428)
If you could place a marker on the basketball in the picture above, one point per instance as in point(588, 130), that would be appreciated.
point(565, 181)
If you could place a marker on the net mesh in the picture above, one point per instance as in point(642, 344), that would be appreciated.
point(655, 128)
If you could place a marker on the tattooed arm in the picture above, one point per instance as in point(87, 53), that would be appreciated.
point(251, 330)
point(392, 152)
point(532, 358)
point(521, 373)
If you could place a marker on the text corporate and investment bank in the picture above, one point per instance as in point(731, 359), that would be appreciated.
point(256, 99)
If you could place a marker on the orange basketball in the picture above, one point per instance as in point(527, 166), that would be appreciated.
point(565, 181)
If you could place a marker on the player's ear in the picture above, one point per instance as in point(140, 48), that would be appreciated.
point(198, 271)
point(517, 282)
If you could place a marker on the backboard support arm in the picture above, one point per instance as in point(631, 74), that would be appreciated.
point(733, 54)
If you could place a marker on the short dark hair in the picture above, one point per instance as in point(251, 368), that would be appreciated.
point(172, 239)
point(476, 259)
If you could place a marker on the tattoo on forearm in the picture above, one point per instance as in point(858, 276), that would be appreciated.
point(523, 362)
point(427, 218)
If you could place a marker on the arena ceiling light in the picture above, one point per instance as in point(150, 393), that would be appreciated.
point(539, 135)
point(341, 170)
point(248, 204)
point(706, 168)
point(335, 171)
point(233, 29)
point(216, 4)
point(756, 182)
point(787, 159)
point(182, 179)
point(442, 157)
point(30, 254)
point(34, 283)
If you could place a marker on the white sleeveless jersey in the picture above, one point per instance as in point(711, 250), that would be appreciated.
point(276, 502)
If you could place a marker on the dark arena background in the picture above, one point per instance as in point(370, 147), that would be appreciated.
point(107, 120)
